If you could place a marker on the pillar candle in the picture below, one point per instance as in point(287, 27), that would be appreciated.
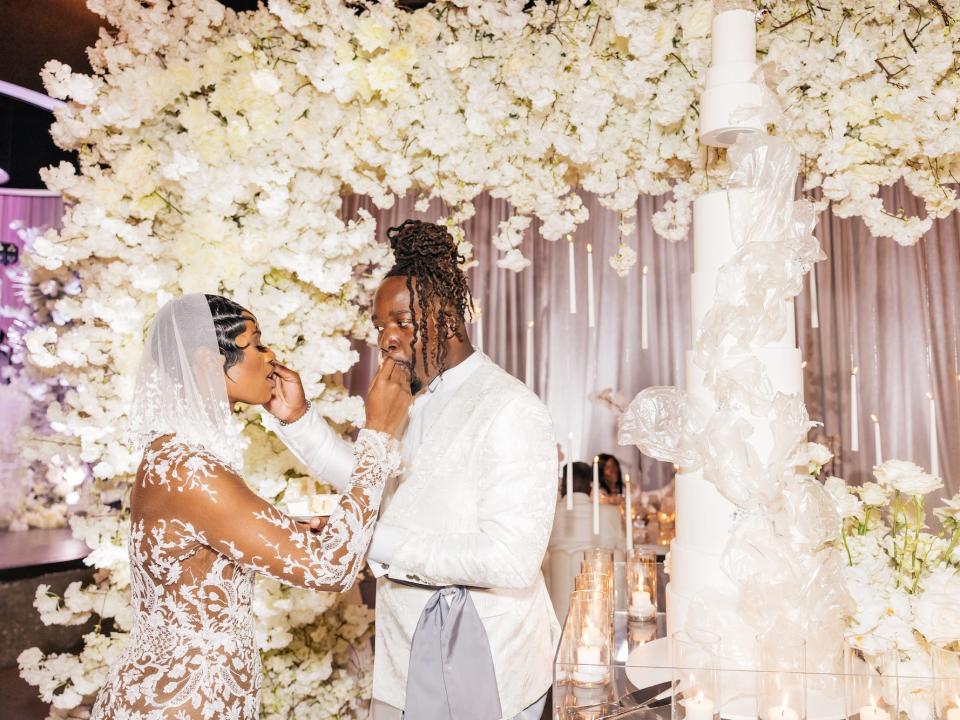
point(596, 494)
point(814, 303)
point(529, 370)
point(876, 440)
point(644, 312)
point(854, 412)
point(591, 301)
point(570, 471)
point(934, 449)
point(572, 269)
point(628, 511)
point(479, 331)
point(699, 708)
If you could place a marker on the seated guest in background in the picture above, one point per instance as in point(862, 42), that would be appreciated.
point(573, 529)
point(573, 533)
point(611, 479)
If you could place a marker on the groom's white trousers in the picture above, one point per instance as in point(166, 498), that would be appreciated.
point(382, 711)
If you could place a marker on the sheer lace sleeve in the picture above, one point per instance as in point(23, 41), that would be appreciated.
point(214, 504)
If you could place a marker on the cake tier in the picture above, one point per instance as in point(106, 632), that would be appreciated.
point(734, 38)
point(730, 73)
point(704, 516)
point(713, 239)
point(727, 111)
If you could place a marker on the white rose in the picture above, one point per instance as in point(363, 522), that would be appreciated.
point(848, 505)
point(949, 513)
point(936, 609)
point(906, 477)
point(819, 454)
point(513, 260)
point(696, 21)
point(873, 494)
point(372, 34)
point(457, 55)
point(624, 260)
point(266, 81)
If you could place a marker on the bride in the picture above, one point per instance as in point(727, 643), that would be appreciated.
point(199, 534)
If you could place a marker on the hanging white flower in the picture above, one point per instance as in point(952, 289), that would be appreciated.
point(624, 260)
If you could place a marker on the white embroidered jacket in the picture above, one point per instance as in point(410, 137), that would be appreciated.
point(477, 504)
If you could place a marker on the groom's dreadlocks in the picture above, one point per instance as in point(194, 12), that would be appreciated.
point(427, 252)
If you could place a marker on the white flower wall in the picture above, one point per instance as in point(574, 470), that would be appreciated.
point(215, 148)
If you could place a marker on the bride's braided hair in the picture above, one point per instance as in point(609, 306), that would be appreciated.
point(427, 252)
point(229, 321)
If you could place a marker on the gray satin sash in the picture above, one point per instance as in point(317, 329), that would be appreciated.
point(451, 675)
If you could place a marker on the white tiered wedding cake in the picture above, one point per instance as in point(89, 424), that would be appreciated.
point(699, 593)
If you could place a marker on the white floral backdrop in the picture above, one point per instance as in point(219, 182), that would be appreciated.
point(214, 149)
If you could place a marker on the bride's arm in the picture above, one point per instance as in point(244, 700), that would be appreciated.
point(233, 520)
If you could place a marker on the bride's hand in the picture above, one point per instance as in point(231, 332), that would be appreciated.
point(289, 401)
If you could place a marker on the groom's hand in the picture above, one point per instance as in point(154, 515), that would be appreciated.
point(289, 401)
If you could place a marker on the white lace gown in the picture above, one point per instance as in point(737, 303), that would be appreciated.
point(198, 536)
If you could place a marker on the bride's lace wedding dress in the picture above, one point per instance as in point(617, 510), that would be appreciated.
point(198, 536)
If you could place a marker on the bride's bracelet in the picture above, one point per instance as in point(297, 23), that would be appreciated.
point(284, 423)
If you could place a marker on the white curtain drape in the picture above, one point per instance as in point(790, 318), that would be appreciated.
point(891, 311)
point(571, 360)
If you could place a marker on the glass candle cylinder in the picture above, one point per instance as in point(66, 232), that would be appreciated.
point(946, 680)
point(594, 581)
point(641, 585)
point(870, 681)
point(781, 685)
point(696, 676)
point(589, 620)
point(597, 560)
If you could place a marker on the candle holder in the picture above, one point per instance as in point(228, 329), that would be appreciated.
point(594, 581)
point(696, 675)
point(781, 686)
point(667, 523)
point(870, 681)
point(597, 560)
point(592, 643)
point(641, 585)
point(946, 680)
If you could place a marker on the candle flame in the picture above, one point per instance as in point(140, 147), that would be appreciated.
point(530, 324)
point(874, 417)
point(596, 459)
point(873, 702)
point(700, 696)
point(930, 396)
point(644, 269)
point(626, 478)
point(569, 238)
point(589, 248)
point(803, 365)
point(856, 369)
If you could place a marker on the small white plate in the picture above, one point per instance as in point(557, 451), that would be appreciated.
point(305, 518)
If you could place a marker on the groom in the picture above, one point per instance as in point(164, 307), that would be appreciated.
point(465, 629)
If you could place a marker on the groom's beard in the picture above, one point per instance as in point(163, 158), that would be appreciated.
point(415, 386)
